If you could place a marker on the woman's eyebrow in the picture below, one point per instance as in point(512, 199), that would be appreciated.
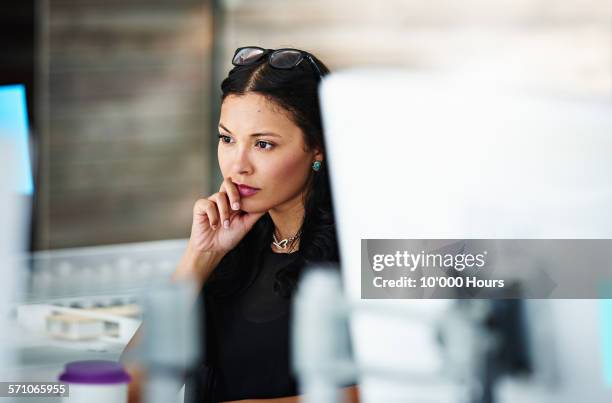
point(254, 134)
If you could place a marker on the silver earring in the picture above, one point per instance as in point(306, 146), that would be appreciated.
point(316, 165)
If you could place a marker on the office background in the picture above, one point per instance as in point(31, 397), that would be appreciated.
point(124, 94)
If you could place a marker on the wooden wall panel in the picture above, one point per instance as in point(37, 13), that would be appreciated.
point(126, 147)
point(560, 47)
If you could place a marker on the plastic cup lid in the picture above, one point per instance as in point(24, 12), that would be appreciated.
point(95, 372)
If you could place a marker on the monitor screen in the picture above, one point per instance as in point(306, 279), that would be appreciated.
point(14, 130)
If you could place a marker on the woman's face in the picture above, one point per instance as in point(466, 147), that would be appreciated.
point(260, 147)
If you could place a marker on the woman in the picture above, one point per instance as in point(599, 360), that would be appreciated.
point(271, 217)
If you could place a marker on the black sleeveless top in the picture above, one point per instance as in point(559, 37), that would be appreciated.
point(248, 341)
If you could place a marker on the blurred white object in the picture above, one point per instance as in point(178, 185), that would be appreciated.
point(78, 324)
point(12, 245)
point(321, 344)
point(438, 157)
point(119, 270)
point(74, 327)
point(170, 339)
point(323, 358)
point(80, 393)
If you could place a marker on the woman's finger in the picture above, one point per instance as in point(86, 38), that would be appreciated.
point(213, 215)
point(208, 208)
point(223, 206)
point(232, 193)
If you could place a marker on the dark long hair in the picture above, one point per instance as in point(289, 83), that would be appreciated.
point(295, 91)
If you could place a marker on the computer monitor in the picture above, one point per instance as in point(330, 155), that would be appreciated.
point(16, 189)
point(432, 156)
point(14, 129)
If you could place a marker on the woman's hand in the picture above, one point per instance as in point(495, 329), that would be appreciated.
point(218, 223)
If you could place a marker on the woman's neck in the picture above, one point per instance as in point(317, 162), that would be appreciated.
point(288, 218)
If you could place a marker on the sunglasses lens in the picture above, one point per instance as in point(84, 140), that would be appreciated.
point(285, 59)
point(247, 56)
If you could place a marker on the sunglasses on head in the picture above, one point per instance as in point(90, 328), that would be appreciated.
point(284, 59)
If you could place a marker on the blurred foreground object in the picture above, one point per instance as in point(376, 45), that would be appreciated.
point(465, 156)
point(12, 210)
point(171, 341)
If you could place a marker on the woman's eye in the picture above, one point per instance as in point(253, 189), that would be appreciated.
point(264, 145)
point(224, 138)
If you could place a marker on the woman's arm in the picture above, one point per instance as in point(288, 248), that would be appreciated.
point(209, 241)
point(197, 266)
point(351, 395)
